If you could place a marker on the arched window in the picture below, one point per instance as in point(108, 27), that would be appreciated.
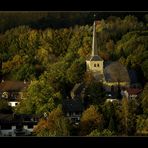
point(98, 65)
point(94, 65)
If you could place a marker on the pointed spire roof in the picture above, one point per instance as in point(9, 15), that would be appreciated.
point(94, 54)
point(94, 42)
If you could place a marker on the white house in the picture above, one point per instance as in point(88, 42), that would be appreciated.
point(17, 125)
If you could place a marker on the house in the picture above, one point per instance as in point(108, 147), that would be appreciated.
point(17, 125)
point(111, 73)
point(73, 109)
point(131, 93)
point(13, 91)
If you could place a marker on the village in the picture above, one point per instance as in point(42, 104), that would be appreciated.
point(117, 82)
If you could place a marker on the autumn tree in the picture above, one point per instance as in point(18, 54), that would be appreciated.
point(55, 124)
point(142, 125)
point(105, 133)
point(91, 119)
point(125, 113)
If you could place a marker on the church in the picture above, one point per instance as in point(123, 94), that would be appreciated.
point(111, 73)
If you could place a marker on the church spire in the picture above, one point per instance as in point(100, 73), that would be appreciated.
point(94, 42)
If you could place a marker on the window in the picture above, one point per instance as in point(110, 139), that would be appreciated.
point(94, 65)
point(15, 104)
point(98, 65)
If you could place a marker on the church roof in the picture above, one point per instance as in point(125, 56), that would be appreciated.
point(94, 58)
point(116, 72)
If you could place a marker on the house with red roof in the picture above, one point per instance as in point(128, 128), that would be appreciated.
point(131, 93)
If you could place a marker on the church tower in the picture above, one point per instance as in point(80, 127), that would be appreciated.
point(95, 63)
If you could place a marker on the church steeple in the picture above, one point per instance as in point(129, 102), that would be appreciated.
point(95, 63)
point(94, 54)
point(94, 41)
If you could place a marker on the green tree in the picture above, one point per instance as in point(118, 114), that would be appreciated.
point(40, 98)
point(76, 71)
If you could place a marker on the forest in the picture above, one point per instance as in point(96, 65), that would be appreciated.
point(50, 51)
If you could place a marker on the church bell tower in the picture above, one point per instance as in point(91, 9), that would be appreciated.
point(95, 63)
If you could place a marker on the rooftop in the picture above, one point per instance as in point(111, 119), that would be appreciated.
point(94, 58)
point(13, 85)
point(116, 72)
point(134, 91)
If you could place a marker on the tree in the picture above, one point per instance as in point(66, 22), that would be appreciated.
point(111, 125)
point(110, 45)
point(90, 120)
point(95, 92)
point(94, 133)
point(105, 132)
point(142, 125)
point(15, 63)
point(88, 78)
point(4, 107)
point(76, 71)
point(144, 99)
point(25, 72)
point(55, 124)
point(125, 113)
point(40, 98)
point(145, 68)
point(43, 56)
point(111, 114)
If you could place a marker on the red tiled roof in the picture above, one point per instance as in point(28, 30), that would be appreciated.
point(13, 85)
point(134, 91)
